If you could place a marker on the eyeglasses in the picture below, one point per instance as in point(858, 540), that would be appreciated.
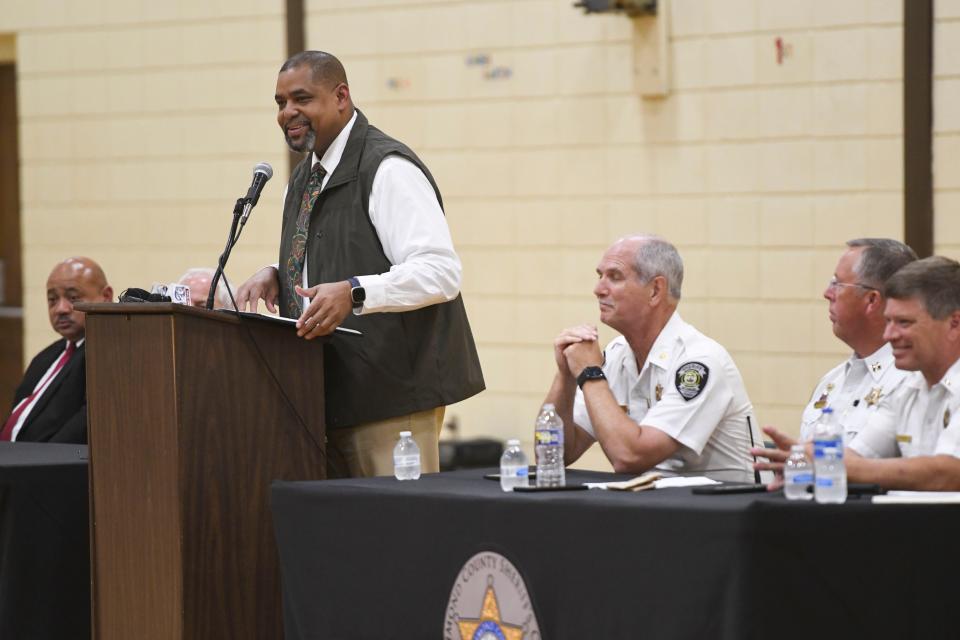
point(834, 283)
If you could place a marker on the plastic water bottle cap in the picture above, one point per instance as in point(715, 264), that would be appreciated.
point(404, 434)
point(513, 442)
point(548, 407)
point(798, 448)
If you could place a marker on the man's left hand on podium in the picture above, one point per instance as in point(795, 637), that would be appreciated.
point(330, 303)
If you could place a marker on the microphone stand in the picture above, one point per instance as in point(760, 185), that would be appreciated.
point(238, 210)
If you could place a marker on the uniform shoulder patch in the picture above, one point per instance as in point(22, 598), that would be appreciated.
point(691, 379)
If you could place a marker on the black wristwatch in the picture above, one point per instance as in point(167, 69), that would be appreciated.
point(357, 293)
point(588, 374)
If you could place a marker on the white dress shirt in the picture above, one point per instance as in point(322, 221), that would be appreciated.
point(412, 230)
point(41, 388)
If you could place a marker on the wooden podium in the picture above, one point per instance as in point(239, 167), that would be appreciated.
point(192, 414)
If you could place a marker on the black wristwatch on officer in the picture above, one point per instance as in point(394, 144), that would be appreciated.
point(357, 293)
point(588, 374)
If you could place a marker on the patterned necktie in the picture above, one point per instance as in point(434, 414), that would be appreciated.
point(298, 251)
point(7, 433)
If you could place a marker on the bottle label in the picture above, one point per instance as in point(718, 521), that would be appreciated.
point(825, 482)
point(521, 472)
point(801, 478)
point(548, 436)
point(406, 461)
point(820, 447)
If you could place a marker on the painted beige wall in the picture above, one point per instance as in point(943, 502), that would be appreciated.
point(141, 121)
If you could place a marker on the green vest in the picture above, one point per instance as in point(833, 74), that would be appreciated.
point(405, 362)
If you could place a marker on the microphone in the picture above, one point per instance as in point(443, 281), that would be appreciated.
point(261, 173)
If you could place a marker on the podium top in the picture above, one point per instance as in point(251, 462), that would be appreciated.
point(154, 308)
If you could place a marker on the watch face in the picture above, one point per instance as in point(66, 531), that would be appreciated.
point(358, 294)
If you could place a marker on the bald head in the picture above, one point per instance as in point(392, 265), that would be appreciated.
point(74, 280)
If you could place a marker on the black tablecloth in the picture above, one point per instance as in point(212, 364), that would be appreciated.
point(377, 558)
point(44, 542)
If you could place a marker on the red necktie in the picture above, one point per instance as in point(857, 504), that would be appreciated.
point(7, 431)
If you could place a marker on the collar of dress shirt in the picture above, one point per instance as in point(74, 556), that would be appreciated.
point(662, 349)
point(877, 362)
point(331, 157)
point(951, 379)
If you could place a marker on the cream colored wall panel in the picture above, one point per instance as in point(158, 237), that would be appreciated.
point(832, 13)
point(887, 11)
point(246, 86)
point(482, 223)
point(679, 170)
point(39, 96)
point(630, 170)
point(593, 459)
point(688, 17)
point(733, 221)
point(884, 163)
point(494, 320)
point(626, 118)
point(420, 29)
point(838, 109)
point(538, 319)
point(730, 114)
point(536, 122)
point(735, 325)
point(53, 184)
point(796, 65)
point(885, 52)
point(537, 172)
point(839, 55)
point(90, 51)
point(696, 284)
point(583, 70)
point(39, 52)
point(445, 126)
point(946, 161)
point(51, 139)
point(537, 223)
point(535, 21)
point(574, 27)
point(732, 168)
point(535, 370)
point(578, 271)
point(88, 94)
point(734, 273)
point(946, 97)
point(577, 121)
point(580, 172)
point(134, 93)
point(204, 43)
point(787, 380)
point(91, 183)
point(243, 133)
point(787, 274)
point(731, 16)
point(161, 45)
point(840, 165)
point(786, 221)
point(785, 112)
point(946, 48)
point(582, 222)
point(490, 25)
point(786, 327)
point(682, 220)
point(630, 216)
point(946, 221)
point(541, 265)
point(492, 271)
point(786, 166)
point(885, 214)
point(731, 61)
point(345, 34)
point(839, 218)
point(885, 108)
point(620, 67)
point(680, 117)
point(535, 73)
point(688, 66)
point(500, 370)
point(946, 9)
point(777, 14)
point(490, 124)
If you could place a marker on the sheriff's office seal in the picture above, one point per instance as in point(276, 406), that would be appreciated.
point(489, 601)
point(691, 379)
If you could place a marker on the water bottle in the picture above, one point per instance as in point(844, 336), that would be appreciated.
point(406, 458)
point(797, 475)
point(549, 441)
point(513, 467)
point(830, 474)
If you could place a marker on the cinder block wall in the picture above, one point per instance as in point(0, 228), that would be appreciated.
point(141, 121)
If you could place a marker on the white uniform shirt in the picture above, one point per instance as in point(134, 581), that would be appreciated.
point(855, 390)
point(927, 424)
point(413, 232)
point(712, 426)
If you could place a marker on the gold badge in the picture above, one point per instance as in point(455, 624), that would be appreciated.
point(658, 392)
point(874, 396)
point(946, 418)
point(904, 438)
point(822, 402)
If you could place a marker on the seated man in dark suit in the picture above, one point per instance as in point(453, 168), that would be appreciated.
point(50, 404)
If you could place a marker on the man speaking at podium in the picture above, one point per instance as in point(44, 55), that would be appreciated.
point(364, 243)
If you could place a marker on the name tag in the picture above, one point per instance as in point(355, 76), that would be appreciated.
point(904, 438)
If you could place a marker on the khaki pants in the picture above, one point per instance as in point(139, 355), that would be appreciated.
point(366, 450)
